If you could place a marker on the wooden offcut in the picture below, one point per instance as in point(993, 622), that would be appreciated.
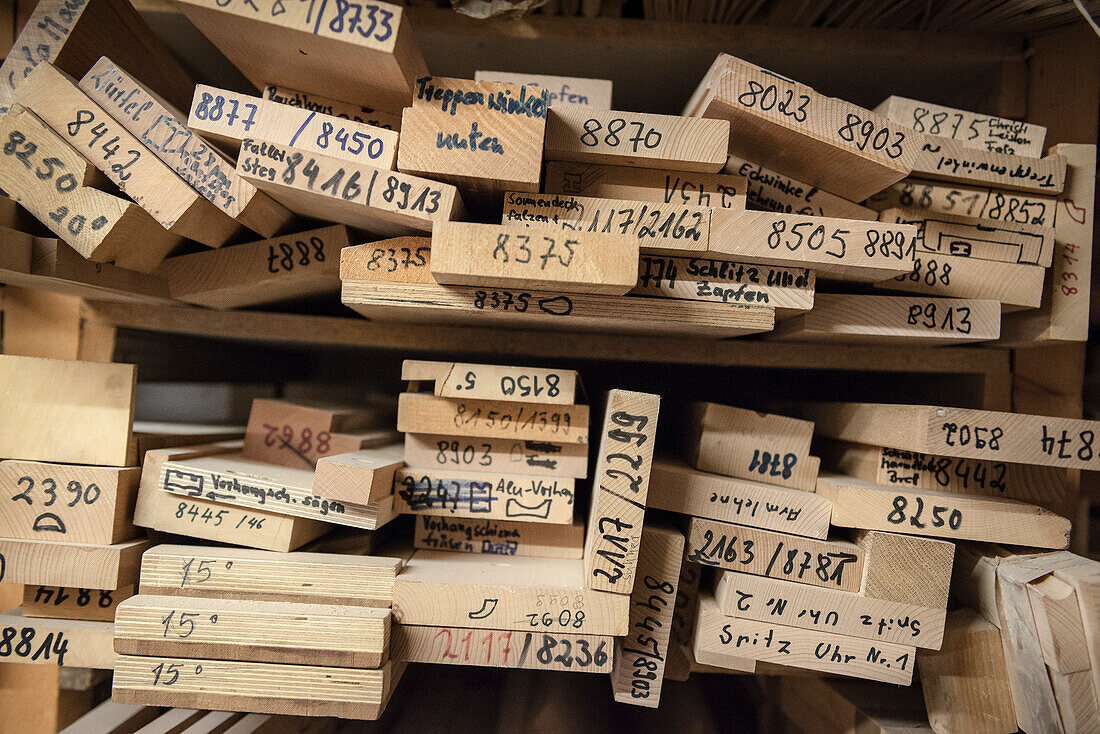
point(772, 191)
point(60, 642)
point(964, 236)
point(506, 456)
point(59, 602)
point(669, 186)
point(971, 129)
point(296, 435)
point(359, 477)
point(499, 537)
point(562, 89)
point(493, 382)
point(83, 565)
point(424, 413)
point(539, 650)
point(329, 106)
point(942, 159)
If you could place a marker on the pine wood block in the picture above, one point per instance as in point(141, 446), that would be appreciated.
point(58, 602)
point(113, 718)
point(83, 565)
point(962, 432)
point(358, 477)
point(821, 651)
point(726, 281)
point(859, 504)
point(667, 186)
point(507, 456)
point(60, 642)
point(437, 588)
point(835, 564)
point(306, 578)
point(316, 132)
point(905, 568)
point(1058, 622)
point(561, 89)
point(584, 653)
point(772, 191)
point(255, 273)
point(617, 511)
point(72, 503)
point(982, 202)
point(493, 382)
point(332, 52)
point(652, 603)
point(635, 139)
point(65, 410)
point(1015, 286)
point(849, 319)
point(488, 536)
point(224, 116)
point(73, 36)
point(260, 631)
point(98, 225)
point(464, 253)
point(474, 495)
point(296, 435)
point(335, 107)
point(1038, 485)
point(273, 688)
point(943, 159)
point(376, 200)
point(146, 179)
point(950, 234)
point(482, 136)
point(748, 444)
point(424, 413)
point(970, 129)
point(164, 131)
point(848, 613)
point(676, 487)
point(782, 124)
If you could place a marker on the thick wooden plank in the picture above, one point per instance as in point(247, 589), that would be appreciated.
point(494, 382)
point(947, 160)
point(836, 564)
point(60, 642)
point(562, 89)
point(424, 413)
point(308, 578)
point(971, 129)
point(617, 511)
point(640, 657)
point(962, 432)
point(676, 487)
point(337, 108)
point(860, 504)
point(67, 502)
point(373, 60)
point(1015, 286)
point(963, 236)
point(259, 631)
point(437, 588)
point(772, 191)
point(668, 186)
point(83, 565)
point(843, 612)
point(579, 653)
point(475, 494)
point(58, 602)
point(307, 690)
point(507, 456)
point(725, 281)
point(968, 201)
point(906, 568)
point(499, 537)
point(359, 477)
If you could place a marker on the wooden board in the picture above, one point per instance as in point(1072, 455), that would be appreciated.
point(493, 382)
point(785, 125)
point(98, 225)
point(379, 201)
point(834, 564)
point(906, 568)
point(372, 60)
point(260, 687)
point(952, 234)
point(424, 413)
point(1015, 286)
point(266, 271)
point(358, 477)
point(317, 132)
point(297, 434)
point(308, 578)
point(971, 129)
point(968, 201)
point(83, 565)
point(640, 657)
point(113, 718)
point(962, 432)
point(474, 495)
point(667, 186)
point(851, 319)
point(66, 502)
point(164, 131)
point(822, 651)
point(579, 653)
point(60, 642)
point(842, 612)
point(507, 456)
point(620, 485)
point(464, 253)
point(636, 139)
point(58, 602)
point(748, 444)
point(947, 160)
point(259, 631)
point(146, 179)
point(481, 136)
point(562, 89)
point(772, 191)
point(499, 537)
point(437, 588)
point(224, 116)
point(725, 281)
point(325, 105)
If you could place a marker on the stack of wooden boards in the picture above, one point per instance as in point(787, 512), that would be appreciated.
point(717, 222)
